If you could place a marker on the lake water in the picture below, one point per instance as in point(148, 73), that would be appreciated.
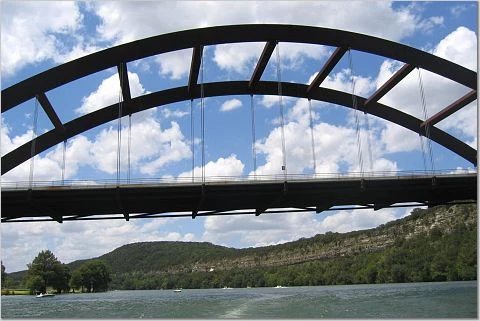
point(414, 300)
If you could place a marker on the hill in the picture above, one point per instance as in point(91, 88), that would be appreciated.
point(428, 245)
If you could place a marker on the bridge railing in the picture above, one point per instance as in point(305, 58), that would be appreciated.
point(229, 179)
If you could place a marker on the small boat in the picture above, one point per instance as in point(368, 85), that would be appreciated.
point(45, 295)
point(227, 288)
point(177, 290)
point(280, 287)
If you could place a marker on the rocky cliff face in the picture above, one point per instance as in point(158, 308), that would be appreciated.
point(333, 245)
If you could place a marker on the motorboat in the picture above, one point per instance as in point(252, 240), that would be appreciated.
point(45, 295)
point(177, 290)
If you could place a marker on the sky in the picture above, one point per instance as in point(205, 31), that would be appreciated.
point(36, 36)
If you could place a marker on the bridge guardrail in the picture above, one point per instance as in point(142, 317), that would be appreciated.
point(228, 179)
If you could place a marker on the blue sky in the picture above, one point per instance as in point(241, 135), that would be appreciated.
point(38, 35)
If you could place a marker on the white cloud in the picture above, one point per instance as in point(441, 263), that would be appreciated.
point(269, 229)
point(70, 241)
point(237, 57)
point(231, 104)
point(108, 93)
point(175, 64)
point(459, 47)
point(152, 147)
point(336, 146)
point(35, 31)
point(126, 21)
point(427, 25)
point(346, 82)
point(221, 168)
point(167, 113)
point(378, 18)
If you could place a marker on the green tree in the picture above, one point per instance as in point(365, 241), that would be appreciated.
point(61, 281)
point(4, 275)
point(94, 276)
point(76, 280)
point(48, 269)
point(34, 283)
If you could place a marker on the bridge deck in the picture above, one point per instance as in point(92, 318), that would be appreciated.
point(142, 200)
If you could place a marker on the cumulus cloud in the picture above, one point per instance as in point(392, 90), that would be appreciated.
point(460, 47)
point(29, 37)
point(108, 93)
point(379, 18)
point(174, 64)
point(70, 241)
point(231, 105)
point(237, 57)
point(221, 168)
point(270, 229)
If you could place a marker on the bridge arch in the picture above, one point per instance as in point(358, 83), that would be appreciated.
point(118, 56)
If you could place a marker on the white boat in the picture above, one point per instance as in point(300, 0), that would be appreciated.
point(177, 290)
point(280, 287)
point(45, 295)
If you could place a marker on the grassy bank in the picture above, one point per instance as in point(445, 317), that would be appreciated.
point(15, 292)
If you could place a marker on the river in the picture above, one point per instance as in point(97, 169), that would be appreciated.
point(413, 300)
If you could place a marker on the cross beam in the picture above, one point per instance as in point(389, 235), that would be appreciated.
point(262, 63)
point(327, 68)
point(195, 67)
point(450, 109)
point(389, 84)
point(48, 108)
point(124, 84)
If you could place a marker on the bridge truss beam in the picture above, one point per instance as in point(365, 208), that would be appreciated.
point(233, 198)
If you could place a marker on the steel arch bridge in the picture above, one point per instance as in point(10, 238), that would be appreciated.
point(270, 34)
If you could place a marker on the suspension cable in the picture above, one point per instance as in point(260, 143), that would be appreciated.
point(313, 139)
point(64, 160)
point(427, 126)
point(254, 152)
point(369, 141)
point(282, 120)
point(357, 121)
point(192, 138)
point(34, 138)
point(119, 132)
point(129, 145)
point(202, 116)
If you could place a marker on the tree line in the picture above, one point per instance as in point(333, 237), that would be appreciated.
point(46, 271)
point(445, 250)
point(427, 257)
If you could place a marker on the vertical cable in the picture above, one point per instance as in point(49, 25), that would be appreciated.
point(254, 152)
point(63, 160)
point(119, 133)
point(34, 138)
point(202, 117)
point(357, 121)
point(313, 139)
point(279, 78)
point(129, 145)
point(192, 139)
point(427, 126)
point(369, 142)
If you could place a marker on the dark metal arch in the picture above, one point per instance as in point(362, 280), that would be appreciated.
point(118, 56)
point(147, 47)
point(168, 96)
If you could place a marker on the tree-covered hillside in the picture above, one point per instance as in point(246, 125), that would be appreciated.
point(435, 244)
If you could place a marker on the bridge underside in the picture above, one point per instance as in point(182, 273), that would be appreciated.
point(228, 198)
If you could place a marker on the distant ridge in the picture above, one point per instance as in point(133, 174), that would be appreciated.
point(158, 264)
